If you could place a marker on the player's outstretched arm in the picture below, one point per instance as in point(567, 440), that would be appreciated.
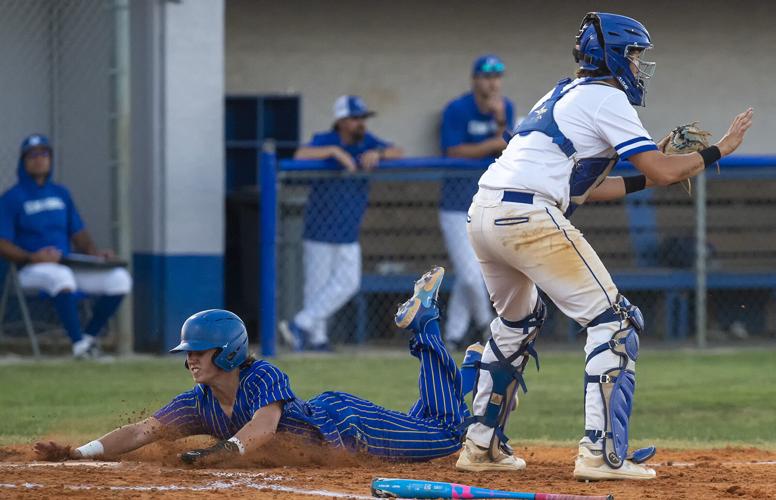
point(116, 442)
point(251, 437)
point(665, 170)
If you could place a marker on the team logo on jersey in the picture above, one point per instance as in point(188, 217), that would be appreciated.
point(476, 127)
point(33, 207)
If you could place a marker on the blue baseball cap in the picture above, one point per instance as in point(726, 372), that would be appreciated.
point(35, 141)
point(351, 106)
point(488, 65)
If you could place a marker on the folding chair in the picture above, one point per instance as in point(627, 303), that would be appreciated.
point(12, 285)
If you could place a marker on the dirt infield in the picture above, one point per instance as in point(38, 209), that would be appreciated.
point(302, 472)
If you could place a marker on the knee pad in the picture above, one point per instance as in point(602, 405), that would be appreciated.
point(618, 384)
point(507, 378)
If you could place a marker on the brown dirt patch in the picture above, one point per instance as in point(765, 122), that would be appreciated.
point(287, 468)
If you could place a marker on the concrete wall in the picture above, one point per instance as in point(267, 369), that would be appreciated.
point(407, 58)
point(177, 164)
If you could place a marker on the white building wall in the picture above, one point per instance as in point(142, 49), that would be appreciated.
point(407, 58)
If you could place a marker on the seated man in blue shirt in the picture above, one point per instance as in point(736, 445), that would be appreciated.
point(38, 223)
point(472, 127)
point(332, 220)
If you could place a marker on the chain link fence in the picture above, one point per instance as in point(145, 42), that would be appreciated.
point(350, 284)
point(58, 70)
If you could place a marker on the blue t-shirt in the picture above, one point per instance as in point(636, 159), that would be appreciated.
point(33, 217)
point(336, 206)
point(198, 412)
point(464, 123)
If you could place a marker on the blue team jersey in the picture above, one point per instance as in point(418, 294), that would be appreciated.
point(464, 123)
point(198, 412)
point(335, 207)
point(33, 217)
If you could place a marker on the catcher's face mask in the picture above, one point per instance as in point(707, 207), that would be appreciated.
point(642, 70)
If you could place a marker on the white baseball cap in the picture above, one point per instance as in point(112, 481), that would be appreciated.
point(348, 106)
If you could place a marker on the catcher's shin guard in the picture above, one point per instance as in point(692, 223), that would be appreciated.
point(507, 378)
point(618, 384)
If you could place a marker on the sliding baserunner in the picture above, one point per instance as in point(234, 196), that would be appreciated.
point(242, 401)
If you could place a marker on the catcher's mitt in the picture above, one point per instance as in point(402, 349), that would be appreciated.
point(687, 139)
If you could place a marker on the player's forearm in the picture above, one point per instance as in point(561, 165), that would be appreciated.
point(260, 430)
point(127, 438)
point(490, 147)
point(392, 153)
point(83, 243)
point(314, 153)
point(665, 170)
point(11, 252)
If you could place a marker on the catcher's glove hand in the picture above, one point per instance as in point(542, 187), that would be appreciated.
point(687, 139)
point(220, 450)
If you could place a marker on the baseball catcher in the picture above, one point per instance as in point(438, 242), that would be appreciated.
point(242, 401)
point(560, 156)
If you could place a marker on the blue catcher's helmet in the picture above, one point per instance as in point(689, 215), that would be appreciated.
point(609, 42)
point(216, 329)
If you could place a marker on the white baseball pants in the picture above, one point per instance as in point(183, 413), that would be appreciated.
point(332, 275)
point(522, 246)
point(469, 297)
point(53, 278)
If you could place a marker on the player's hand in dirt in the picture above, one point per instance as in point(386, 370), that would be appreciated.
point(55, 452)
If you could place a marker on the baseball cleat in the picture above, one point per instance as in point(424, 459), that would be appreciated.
point(474, 458)
point(293, 335)
point(590, 466)
point(421, 307)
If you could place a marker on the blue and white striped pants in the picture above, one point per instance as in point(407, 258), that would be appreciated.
point(429, 430)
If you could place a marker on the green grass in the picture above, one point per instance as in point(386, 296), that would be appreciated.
point(683, 399)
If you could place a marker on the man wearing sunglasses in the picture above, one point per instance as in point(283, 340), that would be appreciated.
point(472, 127)
point(39, 226)
point(556, 159)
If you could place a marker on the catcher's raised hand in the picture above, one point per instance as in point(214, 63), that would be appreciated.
point(735, 134)
point(55, 452)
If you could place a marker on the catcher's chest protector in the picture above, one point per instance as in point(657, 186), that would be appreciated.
point(588, 172)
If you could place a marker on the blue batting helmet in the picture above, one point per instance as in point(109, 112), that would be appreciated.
point(216, 329)
point(607, 42)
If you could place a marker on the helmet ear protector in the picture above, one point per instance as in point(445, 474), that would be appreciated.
point(591, 18)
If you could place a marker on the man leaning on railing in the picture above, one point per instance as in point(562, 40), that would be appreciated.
point(332, 220)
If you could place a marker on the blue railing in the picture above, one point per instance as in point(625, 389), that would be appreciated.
point(735, 167)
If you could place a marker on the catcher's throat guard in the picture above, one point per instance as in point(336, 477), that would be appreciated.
point(617, 385)
point(507, 378)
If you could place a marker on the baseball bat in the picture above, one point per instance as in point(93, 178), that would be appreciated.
point(418, 488)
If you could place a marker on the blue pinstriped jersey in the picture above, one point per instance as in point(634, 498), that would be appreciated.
point(198, 412)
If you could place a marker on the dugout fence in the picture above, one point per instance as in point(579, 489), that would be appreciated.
point(702, 267)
